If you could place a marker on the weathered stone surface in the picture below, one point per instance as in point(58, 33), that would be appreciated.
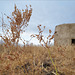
point(64, 34)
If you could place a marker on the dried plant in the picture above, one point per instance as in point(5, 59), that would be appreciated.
point(17, 24)
point(31, 60)
point(44, 42)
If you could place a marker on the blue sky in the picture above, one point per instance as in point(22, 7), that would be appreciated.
point(48, 13)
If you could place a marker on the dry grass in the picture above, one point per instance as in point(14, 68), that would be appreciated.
point(33, 60)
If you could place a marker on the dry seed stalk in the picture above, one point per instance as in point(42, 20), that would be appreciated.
point(17, 24)
point(41, 37)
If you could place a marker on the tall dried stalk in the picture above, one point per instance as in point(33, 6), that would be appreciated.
point(17, 24)
point(44, 43)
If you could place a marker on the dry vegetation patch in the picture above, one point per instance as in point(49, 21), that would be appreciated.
point(35, 60)
point(32, 60)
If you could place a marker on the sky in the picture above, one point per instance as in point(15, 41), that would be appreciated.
point(49, 13)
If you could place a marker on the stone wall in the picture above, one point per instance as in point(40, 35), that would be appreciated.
point(64, 34)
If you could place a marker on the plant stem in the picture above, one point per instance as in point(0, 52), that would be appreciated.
point(52, 62)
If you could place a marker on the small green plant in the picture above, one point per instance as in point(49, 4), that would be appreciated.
point(45, 42)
